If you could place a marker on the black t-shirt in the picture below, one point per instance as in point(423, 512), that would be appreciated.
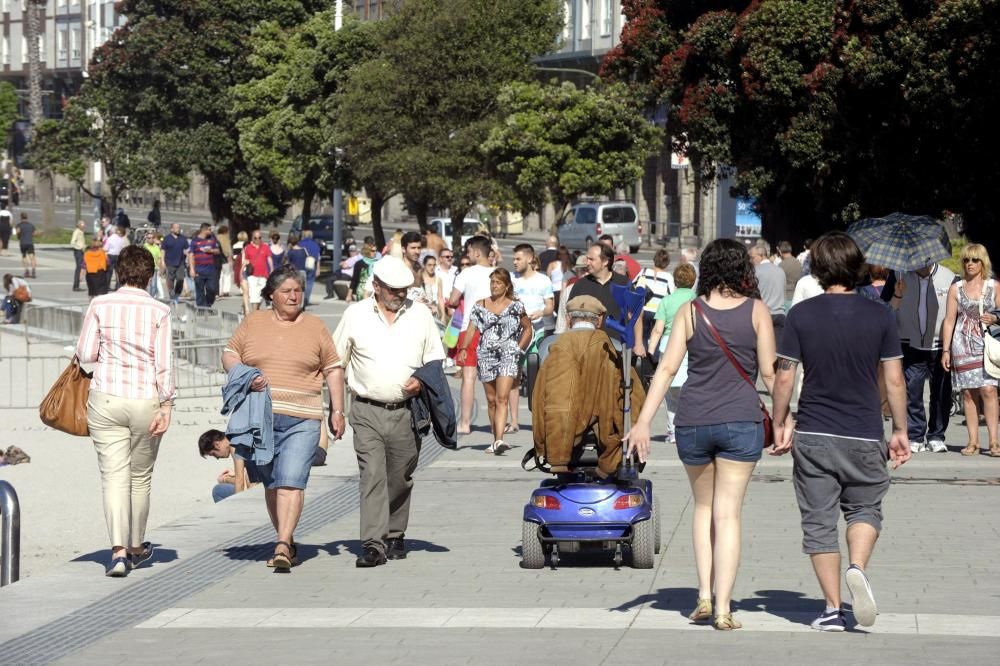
point(588, 286)
point(546, 257)
point(840, 341)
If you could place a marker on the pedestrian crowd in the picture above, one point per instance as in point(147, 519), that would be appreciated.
point(851, 345)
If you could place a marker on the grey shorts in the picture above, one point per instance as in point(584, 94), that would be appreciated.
point(833, 475)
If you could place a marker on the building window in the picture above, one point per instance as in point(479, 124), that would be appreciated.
point(5, 53)
point(585, 17)
point(62, 45)
point(607, 17)
point(75, 44)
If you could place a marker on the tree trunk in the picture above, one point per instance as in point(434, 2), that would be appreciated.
point(457, 222)
point(308, 192)
point(420, 209)
point(378, 201)
point(43, 180)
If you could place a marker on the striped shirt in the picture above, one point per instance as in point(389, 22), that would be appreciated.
point(127, 334)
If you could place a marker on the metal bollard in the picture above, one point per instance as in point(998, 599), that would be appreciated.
point(10, 535)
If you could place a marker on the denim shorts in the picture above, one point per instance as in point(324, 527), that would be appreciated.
point(742, 441)
point(295, 442)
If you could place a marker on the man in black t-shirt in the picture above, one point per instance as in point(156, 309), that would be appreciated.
point(597, 283)
point(839, 450)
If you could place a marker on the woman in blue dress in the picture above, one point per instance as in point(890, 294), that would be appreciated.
point(504, 333)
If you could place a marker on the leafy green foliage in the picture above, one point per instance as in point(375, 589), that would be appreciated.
point(827, 111)
point(8, 105)
point(559, 142)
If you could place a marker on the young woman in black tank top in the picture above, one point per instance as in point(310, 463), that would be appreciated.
point(718, 426)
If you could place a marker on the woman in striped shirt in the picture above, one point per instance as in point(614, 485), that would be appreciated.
point(127, 335)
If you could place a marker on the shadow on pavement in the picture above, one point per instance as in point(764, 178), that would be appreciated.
point(356, 548)
point(103, 557)
point(782, 603)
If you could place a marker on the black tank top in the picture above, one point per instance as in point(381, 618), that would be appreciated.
point(715, 392)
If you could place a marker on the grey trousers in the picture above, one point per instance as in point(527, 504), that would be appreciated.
point(387, 450)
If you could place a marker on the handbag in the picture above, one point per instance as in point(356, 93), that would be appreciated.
point(768, 425)
point(65, 405)
point(991, 348)
point(22, 295)
point(310, 263)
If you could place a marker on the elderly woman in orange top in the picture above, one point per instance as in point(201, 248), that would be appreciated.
point(127, 334)
point(295, 354)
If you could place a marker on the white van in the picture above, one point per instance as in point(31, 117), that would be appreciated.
point(584, 223)
point(442, 227)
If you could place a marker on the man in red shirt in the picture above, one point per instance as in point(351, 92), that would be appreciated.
point(258, 263)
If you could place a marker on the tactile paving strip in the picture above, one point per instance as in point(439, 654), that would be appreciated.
point(144, 600)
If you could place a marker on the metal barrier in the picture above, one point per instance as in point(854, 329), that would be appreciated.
point(51, 323)
point(10, 535)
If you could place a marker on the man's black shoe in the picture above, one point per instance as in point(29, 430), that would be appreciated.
point(372, 558)
point(395, 549)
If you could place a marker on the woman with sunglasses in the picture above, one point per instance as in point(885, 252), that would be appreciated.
point(971, 305)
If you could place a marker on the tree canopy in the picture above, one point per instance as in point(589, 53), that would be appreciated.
point(559, 142)
point(827, 110)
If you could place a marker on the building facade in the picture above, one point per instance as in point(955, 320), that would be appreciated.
point(69, 31)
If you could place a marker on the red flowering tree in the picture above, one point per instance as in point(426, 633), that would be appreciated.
point(827, 110)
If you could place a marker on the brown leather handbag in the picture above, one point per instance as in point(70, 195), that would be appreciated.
point(65, 405)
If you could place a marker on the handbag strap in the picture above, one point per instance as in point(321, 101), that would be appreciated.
point(725, 348)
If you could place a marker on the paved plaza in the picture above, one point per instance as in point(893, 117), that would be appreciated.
point(461, 596)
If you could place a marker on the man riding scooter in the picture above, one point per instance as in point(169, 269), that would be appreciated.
point(580, 388)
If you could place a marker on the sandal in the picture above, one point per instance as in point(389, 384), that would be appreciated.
point(292, 556)
point(995, 449)
point(726, 622)
point(971, 450)
point(497, 447)
point(702, 612)
point(508, 429)
point(282, 561)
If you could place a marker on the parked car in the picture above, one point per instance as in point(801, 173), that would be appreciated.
point(584, 223)
point(322, 228)
point(442, 227)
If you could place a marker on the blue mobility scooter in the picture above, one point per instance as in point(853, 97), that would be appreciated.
point(579, 512)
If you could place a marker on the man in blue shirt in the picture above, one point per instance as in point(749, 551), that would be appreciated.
point(175, 247)
point(840, 452)
point(312, 262)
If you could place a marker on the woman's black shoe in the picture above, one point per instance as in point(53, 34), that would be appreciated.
point(372, 557)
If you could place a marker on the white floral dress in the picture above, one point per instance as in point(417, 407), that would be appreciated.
point(967, 342)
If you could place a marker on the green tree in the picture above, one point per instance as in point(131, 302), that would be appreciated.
point(559, 142)
point(286, 113)
point(175, 65)
point(827, 110)
point(93, 131)
point(434, 100)
point(8, 106)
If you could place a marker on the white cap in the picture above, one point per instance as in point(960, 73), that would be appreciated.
point(393, 272)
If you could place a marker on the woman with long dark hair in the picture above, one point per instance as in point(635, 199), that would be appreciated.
point(718, 427)
point(504, 334)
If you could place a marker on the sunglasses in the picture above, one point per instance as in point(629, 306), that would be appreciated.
point(447, 256)
point(972, 260)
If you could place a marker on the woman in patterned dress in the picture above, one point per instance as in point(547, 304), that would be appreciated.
point(971, 303)
point(504, 333)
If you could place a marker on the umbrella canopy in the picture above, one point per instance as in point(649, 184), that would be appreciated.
point(901, 242)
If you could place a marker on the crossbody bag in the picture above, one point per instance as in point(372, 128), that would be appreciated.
point(768, 425)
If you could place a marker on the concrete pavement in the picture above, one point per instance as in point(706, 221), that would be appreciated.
point(461, 597)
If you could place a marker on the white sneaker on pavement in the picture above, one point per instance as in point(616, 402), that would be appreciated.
point(917, 447)
point(937, 446)
point(862, 598)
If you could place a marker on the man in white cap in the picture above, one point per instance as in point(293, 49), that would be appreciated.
point(382, 340)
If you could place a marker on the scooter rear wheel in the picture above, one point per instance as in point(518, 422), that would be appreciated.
point(532, 553)
point(642, 545)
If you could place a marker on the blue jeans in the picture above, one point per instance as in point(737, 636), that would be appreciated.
point(310, 281)
point(78, 257)
point(741, 441)
point(206, 288)
point(919, 367)
point(223, 490)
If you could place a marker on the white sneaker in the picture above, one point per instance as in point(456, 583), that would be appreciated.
point(937, 446)
point(862, 599)
point(917, 447)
